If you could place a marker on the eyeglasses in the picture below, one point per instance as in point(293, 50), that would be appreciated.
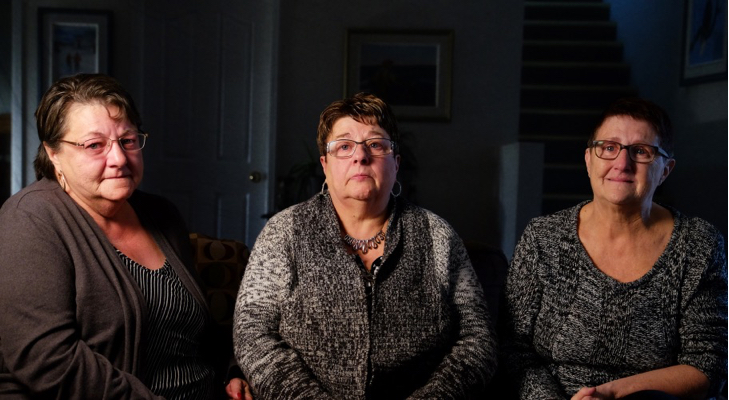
point(101, 145)
point(345, 148)
point(640, 152)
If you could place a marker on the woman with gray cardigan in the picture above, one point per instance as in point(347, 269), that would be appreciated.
point(98, 294)
point(357, 294)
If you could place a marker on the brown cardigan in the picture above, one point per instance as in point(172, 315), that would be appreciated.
point(73, 319)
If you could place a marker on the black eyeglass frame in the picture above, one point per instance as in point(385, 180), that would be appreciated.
point(658, 151)
point(109, 140)
point(393, 144)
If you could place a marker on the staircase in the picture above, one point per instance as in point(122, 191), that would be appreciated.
point(572, 69)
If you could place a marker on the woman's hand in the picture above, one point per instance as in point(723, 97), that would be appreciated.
point(682, 381)
point(238, 389)
point(593, 393)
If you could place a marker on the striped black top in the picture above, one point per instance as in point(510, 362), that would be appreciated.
point(175, 322)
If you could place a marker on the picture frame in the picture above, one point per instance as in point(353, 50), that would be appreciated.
point(704, 41)
point(72, 41)
point(411, 70)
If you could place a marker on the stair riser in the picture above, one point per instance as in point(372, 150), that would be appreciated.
point(569, 12)
point(579, 75)
point(538, 31)
point(570, 99)
point(574, 125)
point(572, 53)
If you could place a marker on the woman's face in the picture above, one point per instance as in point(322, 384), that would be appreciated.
point(362, 176)
point(623, 181)
point(94, 181)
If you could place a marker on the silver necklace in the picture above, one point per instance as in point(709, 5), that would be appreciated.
point(364, 245)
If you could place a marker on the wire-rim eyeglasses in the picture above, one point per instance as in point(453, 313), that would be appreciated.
point(101, 145)
point(376, 147)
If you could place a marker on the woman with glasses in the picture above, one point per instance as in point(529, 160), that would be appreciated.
point(98, 297)
point(619, 295)
point(356, 293)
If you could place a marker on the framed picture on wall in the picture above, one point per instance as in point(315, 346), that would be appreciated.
point(411, 70)
point(705, 41)
point(73, 41)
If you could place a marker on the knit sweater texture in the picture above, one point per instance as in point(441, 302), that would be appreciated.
point(568, 325)
point(304, 329)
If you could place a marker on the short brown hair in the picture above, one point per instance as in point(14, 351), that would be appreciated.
point(641, 110)
point(364, 108)
point(77, 89)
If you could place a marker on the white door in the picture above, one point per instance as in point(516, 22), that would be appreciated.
point(209, 107)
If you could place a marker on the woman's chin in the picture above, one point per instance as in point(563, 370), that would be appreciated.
point(118, 192)
point(366, 196)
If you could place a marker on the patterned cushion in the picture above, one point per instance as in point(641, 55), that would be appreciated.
point(220, 264)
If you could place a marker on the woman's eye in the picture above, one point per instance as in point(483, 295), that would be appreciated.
point(94, 145)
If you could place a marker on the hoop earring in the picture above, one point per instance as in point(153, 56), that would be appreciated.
point(63, 180)
point(399, 191)
point(324, 188)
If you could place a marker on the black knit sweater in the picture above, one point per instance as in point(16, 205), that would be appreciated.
point(569, 325)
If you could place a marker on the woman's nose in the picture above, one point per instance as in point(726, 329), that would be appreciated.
point(623, 161)
point(361, 154)
point(116, 154)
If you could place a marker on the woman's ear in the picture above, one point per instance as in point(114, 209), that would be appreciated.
point(667, 168)
point(53, 156)
point(588, 160)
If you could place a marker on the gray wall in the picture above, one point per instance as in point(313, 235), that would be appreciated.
point(457, 173)
point(653, 38)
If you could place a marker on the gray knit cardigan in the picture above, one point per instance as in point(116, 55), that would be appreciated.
point(569, 325)
point(302, 325)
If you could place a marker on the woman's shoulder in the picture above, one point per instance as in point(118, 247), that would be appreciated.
point(39, 198)
point(309, 209)
point(695, 231)
point(421, 221)
point(305, 216)
point(556, 223)
point(411, 212)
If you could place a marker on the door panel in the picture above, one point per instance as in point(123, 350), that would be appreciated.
point(206, 133)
